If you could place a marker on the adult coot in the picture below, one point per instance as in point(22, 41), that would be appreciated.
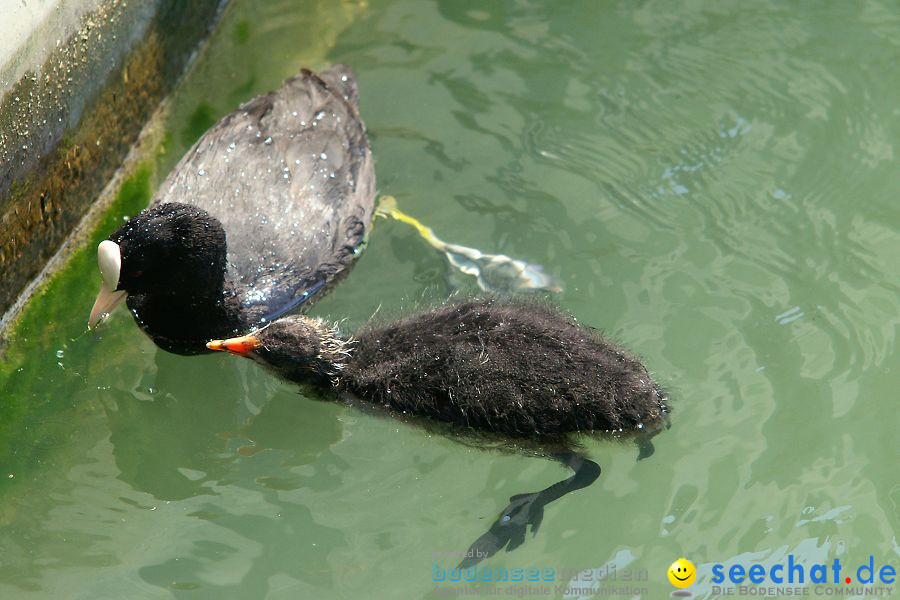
point(261, 214)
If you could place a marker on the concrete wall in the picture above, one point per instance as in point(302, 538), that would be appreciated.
point(78, 79)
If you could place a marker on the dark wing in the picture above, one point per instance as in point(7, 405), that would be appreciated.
point(290, 177)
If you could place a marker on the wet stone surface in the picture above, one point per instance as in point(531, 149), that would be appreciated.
point(66, 125)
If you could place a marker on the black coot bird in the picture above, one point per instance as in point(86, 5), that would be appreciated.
point(499, 366)
point(261, 214)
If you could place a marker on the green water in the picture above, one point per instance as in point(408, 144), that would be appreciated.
point(714, 184)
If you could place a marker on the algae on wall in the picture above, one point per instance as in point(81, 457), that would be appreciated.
point(66, 125)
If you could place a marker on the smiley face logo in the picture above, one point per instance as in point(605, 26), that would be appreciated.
point(682, 573)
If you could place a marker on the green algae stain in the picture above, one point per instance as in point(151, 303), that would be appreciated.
point(240, 34)
point(46, 349)
point(203, 117)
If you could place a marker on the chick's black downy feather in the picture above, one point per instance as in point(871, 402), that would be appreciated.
point(504, 366)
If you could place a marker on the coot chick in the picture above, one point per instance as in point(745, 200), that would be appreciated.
point(262, 213)
point(506, 367)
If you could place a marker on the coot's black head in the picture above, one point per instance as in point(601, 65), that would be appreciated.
point(296, 347)
point(170, 249)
